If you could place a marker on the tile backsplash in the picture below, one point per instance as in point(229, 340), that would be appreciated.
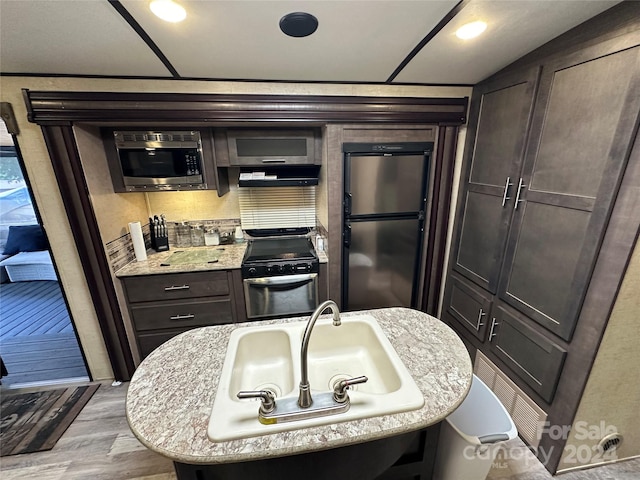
point(120, 251)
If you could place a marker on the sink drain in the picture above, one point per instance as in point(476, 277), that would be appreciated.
point(333, 381)
point(271, 387)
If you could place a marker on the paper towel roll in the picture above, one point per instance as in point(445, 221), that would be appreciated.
point(138, 241)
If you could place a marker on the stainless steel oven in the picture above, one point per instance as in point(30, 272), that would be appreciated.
point(280, 277)
point(281, 295)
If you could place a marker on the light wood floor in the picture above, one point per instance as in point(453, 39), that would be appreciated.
point(99, 446)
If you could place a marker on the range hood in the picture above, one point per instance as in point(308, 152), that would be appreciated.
point(283, 176)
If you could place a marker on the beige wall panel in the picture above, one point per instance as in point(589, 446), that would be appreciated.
point(113, 211)
point(196, 205)
point(612, 396)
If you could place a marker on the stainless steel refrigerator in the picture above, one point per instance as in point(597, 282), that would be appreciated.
point(385, 196)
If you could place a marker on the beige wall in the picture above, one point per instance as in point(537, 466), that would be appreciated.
point(113, 211)
point(40, 172)
point(611, 400)
point(204, 205)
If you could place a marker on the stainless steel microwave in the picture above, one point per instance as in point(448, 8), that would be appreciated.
point(160, 160)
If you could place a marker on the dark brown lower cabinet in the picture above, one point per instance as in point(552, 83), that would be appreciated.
point(409, 456)
point(163, 306)
point(496, 328)
point(469, 305)
point(534, 357)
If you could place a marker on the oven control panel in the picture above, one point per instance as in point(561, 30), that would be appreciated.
point(275, 269)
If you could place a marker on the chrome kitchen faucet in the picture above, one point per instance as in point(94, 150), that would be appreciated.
point(326, 403)
point(304, 399)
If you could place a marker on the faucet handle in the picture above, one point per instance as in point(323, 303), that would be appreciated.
point(340, 388)
point(268, 399)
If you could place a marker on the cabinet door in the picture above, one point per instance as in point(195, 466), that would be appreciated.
point(268, 147)
point(585, 118)
point(496, 147)
point(468, 306)
point(534, 358)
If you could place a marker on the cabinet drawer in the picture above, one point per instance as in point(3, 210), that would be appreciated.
point(191, 313)
point(536, 359)
point(176, 286)
point(469, 306)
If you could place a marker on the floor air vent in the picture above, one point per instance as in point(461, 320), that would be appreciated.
point(526, 414)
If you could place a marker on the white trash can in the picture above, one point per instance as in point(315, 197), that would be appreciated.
point(471, 436)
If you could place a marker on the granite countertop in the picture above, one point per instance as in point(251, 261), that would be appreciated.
point(171, 393)
point(229, 257)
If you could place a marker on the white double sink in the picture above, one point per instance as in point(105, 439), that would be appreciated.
point(268, 358)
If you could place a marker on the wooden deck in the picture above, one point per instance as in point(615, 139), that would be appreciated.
point(37, 340)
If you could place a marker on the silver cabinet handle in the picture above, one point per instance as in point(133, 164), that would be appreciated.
point(183, 317)
point(521, 185)
point(273, 160)
point(494, 324)
point(506, 190)
point(176, 287)
point(479, 323)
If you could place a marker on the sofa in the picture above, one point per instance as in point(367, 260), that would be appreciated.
point(25, 256)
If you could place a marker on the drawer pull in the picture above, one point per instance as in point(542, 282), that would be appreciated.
point(274, 160)
point(521, 185)
point(479, 323)
point(492, 333)
point(183, 317)
point(506, 191)
point(176, 287)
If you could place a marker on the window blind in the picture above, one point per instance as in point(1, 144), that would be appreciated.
point(277, 207)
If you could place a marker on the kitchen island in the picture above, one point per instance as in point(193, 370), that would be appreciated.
point(172, 392)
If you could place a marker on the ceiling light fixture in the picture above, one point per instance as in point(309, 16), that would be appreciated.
point(471, 30)
point(298, 24)
point(168, 10)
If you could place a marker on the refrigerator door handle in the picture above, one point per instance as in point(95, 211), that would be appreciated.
point(347, 235)
point(347, 204)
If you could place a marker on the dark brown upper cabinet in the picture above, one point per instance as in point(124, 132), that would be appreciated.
point(547, 148)
point(272, 147)
point(584, 122)
point(496, 147)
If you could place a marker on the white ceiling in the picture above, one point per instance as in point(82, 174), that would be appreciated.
point(356, 41)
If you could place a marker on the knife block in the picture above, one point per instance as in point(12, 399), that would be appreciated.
point(159, 244)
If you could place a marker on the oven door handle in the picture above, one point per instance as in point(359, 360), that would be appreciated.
point(280, 283)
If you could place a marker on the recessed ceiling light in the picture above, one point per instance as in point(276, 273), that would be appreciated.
point(471, 30)
point(298, 24)
point(168, 10)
